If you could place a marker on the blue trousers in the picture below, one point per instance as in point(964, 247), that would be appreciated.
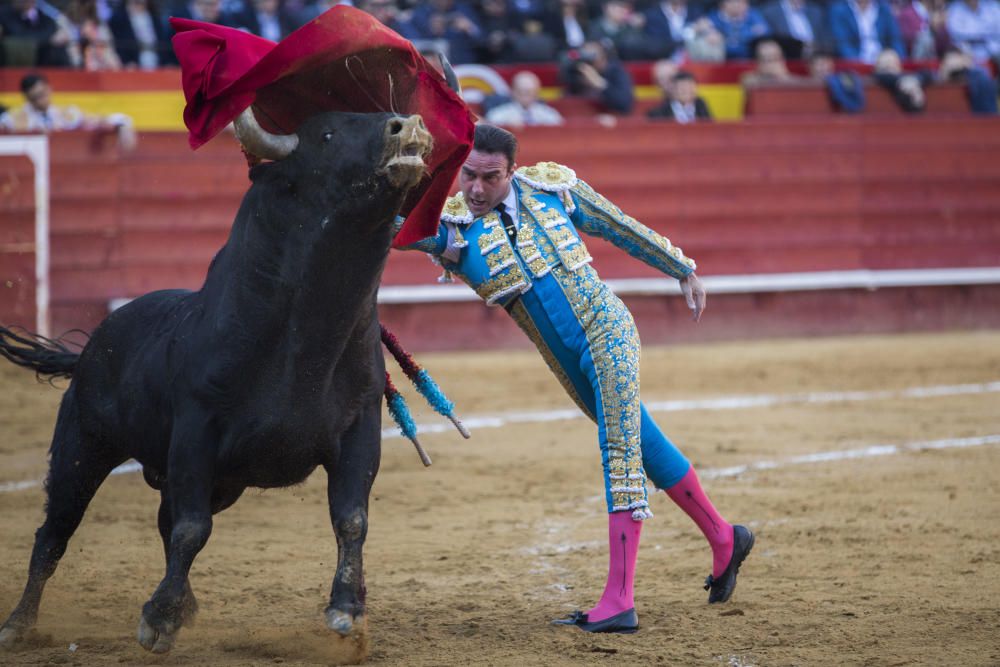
point(589, 340)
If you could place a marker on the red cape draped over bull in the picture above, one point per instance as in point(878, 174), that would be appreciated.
point(344, 60)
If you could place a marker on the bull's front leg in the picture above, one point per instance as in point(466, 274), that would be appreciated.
point(350, 480)
point(189, 494)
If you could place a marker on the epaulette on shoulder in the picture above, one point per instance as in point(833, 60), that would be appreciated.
point(456, 211)
point(548, 176)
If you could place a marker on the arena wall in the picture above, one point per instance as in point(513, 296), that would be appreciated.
point(759, 197)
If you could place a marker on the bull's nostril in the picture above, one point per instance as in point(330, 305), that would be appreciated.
point(395, 126)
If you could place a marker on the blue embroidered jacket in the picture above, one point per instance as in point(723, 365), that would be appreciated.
point(553, 207)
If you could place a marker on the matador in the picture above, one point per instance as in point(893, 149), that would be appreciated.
point(512, 234)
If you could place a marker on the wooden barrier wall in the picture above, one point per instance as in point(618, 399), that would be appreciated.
point(756, 197)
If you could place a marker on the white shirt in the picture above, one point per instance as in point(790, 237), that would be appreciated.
point(510, 203)
point(866, 18)
point(513, 114)
point(574, 33)
point(676, 19)
point(683, 113)
point(798, 22)
point(977, 33)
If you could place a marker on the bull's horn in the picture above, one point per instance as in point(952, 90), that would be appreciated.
point(258, 141)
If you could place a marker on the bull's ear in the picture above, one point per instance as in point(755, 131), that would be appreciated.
point(449, 75)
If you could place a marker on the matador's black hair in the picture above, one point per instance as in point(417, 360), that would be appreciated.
point(492, 139)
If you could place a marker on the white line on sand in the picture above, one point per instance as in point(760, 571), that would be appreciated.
point(721, 403)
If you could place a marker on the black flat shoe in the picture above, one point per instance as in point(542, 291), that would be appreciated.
point(624, 623)
point(721, 589)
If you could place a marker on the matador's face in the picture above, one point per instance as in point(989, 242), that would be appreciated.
point(485, 180)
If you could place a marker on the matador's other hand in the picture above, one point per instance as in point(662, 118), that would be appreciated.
point(694, 294)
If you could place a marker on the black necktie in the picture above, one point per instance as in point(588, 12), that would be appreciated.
point(508, 224)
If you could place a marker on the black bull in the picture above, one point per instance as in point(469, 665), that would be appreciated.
point(273, 368)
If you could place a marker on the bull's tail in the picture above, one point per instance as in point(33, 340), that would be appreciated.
point(47, 357)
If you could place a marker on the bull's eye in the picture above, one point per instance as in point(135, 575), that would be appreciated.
point(327, 136)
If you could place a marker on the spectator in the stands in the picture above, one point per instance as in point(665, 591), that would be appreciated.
point(595, 73)
point(209, 11)
point(906, 88)
point(98, 47)
point(568, 23)
point(386, 11)
point(863, 28)
point(974, 26)
point(665, 25)
point(39, 115)
point(527, 10)
point(30, 37)
point(703, 43)
point(681, 102)
point(452, 22)
point(625, 28)
point(141, 37)
point(798, 20)
point(924, 28)
point(770, 67)
point(740, 24)
point(500, 28)
point(264, 18)
point(525, 109)
point(959, 67)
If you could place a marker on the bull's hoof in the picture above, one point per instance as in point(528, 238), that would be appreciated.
point(339, 621)
point(156, 640)
point(8, 637)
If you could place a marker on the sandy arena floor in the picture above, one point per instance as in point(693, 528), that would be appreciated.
point(874, 560)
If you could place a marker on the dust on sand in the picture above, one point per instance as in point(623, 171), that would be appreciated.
point(891, 560)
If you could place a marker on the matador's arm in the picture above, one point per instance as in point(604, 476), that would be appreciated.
point(433, 245)
point(597, 216)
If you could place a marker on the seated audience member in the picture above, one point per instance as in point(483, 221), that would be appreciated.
point(500, 28)
point(683, 105)
point(739, 24)
point(861, 29)
point(98, 48)
point(525, 109)
point(797, 20)
point(29, 37)
point(264, 18)
point(385, 11)
point(907, 88)
point(845, 89)
point(923, 27)
point(594, 73)
point(959, 67)
point(141, 37)
point(38, 114)
point(770, 67)
point(624, 28)
point(209, 11)
point(703, 43)
point(974, 26)
point(453, 22)
point(665, 25)
point(662, 73)
point(568, 24)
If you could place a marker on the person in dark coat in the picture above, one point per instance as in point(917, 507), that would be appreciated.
point(681, 103)
point(141, 37)
point(800, 20)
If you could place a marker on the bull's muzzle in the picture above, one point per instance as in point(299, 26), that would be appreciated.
point(407, 145)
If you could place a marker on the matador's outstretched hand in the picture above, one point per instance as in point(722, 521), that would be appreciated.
point(694, 294)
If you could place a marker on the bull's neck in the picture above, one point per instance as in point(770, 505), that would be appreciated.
point(304, 289)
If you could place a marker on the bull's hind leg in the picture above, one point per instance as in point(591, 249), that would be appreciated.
point(349, 483)
point(77, 468)
point(189, 489)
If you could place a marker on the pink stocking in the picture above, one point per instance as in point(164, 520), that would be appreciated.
point(623, 540)
point(691, 498)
